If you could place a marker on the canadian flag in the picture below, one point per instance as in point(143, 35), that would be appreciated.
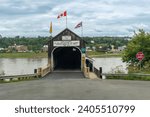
point(62, 14)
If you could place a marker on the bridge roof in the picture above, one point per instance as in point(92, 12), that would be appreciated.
point(65, 31)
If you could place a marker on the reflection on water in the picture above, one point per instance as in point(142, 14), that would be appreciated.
point(27, 66)
point(110, 65)
point(21, 66)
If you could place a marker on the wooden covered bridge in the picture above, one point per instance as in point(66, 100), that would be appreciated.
point(67, 52)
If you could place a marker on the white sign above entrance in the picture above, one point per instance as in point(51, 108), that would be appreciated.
point(66, 43)
point(66, 38)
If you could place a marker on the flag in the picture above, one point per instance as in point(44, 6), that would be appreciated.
point(51, 28)
point(78, 25)
point(62, 14)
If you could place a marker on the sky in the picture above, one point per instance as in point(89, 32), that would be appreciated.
point(32, 18)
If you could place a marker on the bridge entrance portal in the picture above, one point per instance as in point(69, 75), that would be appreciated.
point(66, 51)
point(66, 58)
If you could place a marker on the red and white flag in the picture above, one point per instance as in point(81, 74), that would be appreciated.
point(78, 25)
point(64, 14)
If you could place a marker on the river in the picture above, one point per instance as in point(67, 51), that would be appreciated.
point(20, 66)
point(111, 65)
point(26, 66)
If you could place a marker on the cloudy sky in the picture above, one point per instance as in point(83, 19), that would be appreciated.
point(100, 17)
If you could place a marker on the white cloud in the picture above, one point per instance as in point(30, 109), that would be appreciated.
point(100, 17)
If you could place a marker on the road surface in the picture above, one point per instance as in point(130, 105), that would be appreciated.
point(73, 86)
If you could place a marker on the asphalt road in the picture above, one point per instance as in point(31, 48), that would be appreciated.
point(73, 86)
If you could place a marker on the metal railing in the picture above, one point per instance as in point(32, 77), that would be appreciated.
point(96, 71)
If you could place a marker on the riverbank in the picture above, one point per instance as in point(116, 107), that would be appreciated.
point(44, 55)
point(130, 77)
point(24, 55)
point(96, 54)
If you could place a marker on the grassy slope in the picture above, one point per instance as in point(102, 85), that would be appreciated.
point(44, 55)
point(23, 55)
point(102, 54)
point(147, 78)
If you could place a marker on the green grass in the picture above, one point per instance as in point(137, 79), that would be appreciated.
point(102, 54)
point(44, 55)
point(23, 55)
point(145, 78)
point(134, 69)
point(28, 79)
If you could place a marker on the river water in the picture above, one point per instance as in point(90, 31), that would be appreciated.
point(27, 66)
point(20, 66)
point(111, 65)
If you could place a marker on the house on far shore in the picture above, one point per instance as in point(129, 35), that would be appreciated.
point(88, 49)
point(121, 48)
point(1, 49)
point(18, 48)
point(45, 48)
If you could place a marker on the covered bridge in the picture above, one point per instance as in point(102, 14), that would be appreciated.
point(66, 51)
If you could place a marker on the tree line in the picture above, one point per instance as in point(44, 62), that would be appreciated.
point(32, 43)
point(106, 42)
point(36, 43)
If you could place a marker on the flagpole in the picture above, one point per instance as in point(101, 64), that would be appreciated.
point(66, 20)
point(82, 30)
point(51, 35)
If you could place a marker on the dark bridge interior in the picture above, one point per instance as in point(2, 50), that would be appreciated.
point(67, 58)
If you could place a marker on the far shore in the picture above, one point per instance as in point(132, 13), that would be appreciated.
point(45, 55)
point(24, 55)
point(105, 55)
point(95, 54)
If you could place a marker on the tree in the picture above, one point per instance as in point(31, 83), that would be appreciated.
point(139, 42)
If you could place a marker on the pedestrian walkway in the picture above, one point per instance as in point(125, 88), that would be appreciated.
point(92, 75)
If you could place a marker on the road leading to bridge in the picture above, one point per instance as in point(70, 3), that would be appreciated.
point(68, 86)
point(65, 74)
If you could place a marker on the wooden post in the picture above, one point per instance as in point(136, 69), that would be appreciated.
point(88, 72)
point(39, 72)
point(83, 63)
point(35, 71)
point(100, 72)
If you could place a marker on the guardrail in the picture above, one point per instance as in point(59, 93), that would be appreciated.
point(17, 77)
point(123, 76)
point(38, 73)
point(101, 75)
point(98, 72)
point(41, 72)
point(132, 74)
